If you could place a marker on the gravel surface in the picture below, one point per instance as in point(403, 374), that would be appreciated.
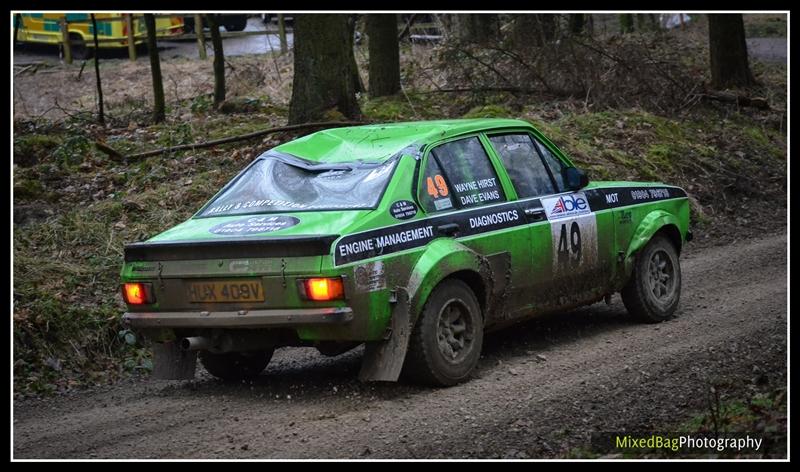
point(540, 389)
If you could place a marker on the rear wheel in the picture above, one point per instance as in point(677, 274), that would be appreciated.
point(80, 51)
point(237, 23)
point(654, 290)
point(234, 366)
point(446, 341)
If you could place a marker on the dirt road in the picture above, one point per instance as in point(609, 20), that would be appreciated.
point(540, 389)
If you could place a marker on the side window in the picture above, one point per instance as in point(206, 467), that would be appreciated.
point(469, 173)
point(556, 166)
point(523, 164)
point(434, 194)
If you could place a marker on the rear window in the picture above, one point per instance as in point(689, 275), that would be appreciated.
point(279, 182)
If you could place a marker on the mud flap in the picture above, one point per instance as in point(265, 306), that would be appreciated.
point(383, 360)
point(170, 362)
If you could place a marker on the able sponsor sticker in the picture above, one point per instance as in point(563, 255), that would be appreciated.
point(254, 225)
point(565, 206)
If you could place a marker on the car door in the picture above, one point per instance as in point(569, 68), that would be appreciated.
point(562, 224)
point(583, 238)
point(529, 181)
point(459, 187)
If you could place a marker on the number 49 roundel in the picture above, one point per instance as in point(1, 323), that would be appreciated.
point(573, 228)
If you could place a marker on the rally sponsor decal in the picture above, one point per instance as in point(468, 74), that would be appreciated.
point(565, 206)
point(418, 233)
point(442, 204)
point(493, 219)
point(254, 225)
point(573, 225)
point(478, 191)
point(403, 209)
point(615, 197)
point(370, 277)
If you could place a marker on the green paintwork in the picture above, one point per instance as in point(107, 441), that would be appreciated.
point(514, 266)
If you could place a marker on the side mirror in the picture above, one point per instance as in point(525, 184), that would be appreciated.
point(576, 178)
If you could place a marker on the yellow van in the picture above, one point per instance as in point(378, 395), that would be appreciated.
point(112, 29)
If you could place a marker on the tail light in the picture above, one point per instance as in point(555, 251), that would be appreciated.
point(138, 293)
point(322, 289)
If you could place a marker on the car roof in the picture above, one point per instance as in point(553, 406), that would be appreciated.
point(377, 142)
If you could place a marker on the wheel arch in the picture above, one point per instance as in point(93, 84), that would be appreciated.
point(448, 259)
point(80, 34)
point(657, 222)
point(672, 233)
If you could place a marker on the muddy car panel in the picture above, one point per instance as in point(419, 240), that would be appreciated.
point(521, 255)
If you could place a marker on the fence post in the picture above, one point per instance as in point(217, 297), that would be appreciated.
point(282, 33)
point(201, 36)
point(131, 36)
point(65, 40)
point(17, 21)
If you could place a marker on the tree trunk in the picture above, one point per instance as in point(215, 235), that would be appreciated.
point(384, 55)
point(487, 28)
point(547, 27)
point(626, 23)
point(729, 65)
point(101, 117)
point(155, 69)
point(653, 21)
point(640, 24)
point(358, 84)
point(219, 60)
point(17, 23)
point(476, 28)
point(576, 23)
point(323, 74)
point(524, 32)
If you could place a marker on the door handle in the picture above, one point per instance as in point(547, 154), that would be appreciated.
point(448, 229)
point(536, 214)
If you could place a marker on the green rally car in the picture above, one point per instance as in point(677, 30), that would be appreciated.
point(411, 238)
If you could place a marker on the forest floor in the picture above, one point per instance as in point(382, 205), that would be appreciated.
point(540, 390)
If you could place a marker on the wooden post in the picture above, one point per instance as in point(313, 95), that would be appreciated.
point(17, 22)
point(131, 36)
point(65, 41)
point(201, 37)
point(101, 116)
point(282, 33)
point(155, 69)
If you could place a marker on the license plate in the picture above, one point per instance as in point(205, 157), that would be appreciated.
point(213, 291)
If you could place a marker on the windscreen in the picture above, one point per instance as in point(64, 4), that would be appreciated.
point(278, 182)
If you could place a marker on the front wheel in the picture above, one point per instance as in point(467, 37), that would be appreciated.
point(654, 290)
point(235, 366)
point(447, 339)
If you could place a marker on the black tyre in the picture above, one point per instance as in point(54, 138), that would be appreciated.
point(654, 290)
point(447, 339)
point(236, 23)
point(234, 366)
point(188, 24)
point(80, 51)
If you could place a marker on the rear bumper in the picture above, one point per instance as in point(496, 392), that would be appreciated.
point(239, 319)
